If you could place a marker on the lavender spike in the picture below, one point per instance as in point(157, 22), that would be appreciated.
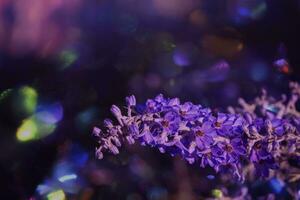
point(216, 140)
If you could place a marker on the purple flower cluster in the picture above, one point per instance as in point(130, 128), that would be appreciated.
point(219, 140)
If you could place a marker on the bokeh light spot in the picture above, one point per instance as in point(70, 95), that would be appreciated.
point(181, 58)
point(282, 65)
point(68, 57)
point(242, 11)
point(67, 177)
point(210, 177)
point(259, 10)
point(50, 114)
point(277, 185)
point(27, 131)
point(56, 195)
point(28, 98)
point(185, 54)
point(217, 193)
point(32, 129)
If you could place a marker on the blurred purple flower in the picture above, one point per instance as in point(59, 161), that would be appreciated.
point(259, 152)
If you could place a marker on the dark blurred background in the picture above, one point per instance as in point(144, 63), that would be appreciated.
point(64, 62)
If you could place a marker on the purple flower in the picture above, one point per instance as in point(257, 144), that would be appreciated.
point(169, 124)
point(233, 150)
point(131, 101)
point(108, 123)
point(259, 125)
point(223, 124)
point(96, 131)
point(156, 104)
point(204, 135)
point(146, 135)
point(259, 151)
point(198, 135)
point(188, 111)
point(117, 113)
point(296, 122)
point(174, 102)
point(108, 144)
point(275, 126)
point(211, 157)
point(263, 166)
